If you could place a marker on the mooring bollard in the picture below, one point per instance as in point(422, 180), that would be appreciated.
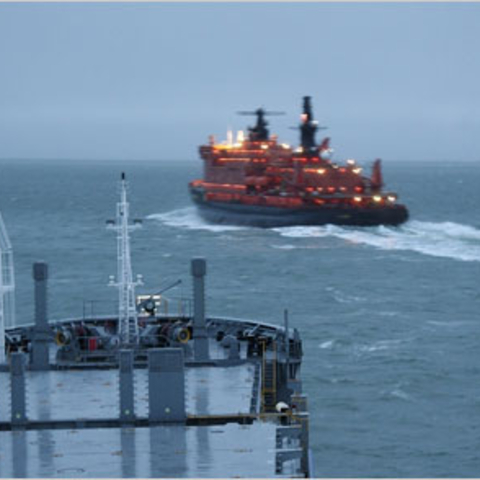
point(127, 399)
point(199, 269)
point(166, 385)
point(41, 334)
point(233, 346)
point(17, 389)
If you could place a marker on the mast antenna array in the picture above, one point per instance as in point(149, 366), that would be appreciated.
point(127, 311)
point(259, 132)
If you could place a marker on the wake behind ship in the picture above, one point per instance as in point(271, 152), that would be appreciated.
point(260, 182)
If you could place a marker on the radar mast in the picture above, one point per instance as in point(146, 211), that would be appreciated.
point(260, 132)
point(127, 312)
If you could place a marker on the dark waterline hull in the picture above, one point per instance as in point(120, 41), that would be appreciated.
point(268, 217)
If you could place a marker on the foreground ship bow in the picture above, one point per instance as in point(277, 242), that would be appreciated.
point(149, 391)
point(260, 182)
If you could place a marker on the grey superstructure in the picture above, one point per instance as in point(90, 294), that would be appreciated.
point(180, 394)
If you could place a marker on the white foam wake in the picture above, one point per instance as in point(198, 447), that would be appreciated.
point(441, 239)
point(188, 218)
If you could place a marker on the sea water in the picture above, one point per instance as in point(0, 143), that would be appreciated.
point(390, 317)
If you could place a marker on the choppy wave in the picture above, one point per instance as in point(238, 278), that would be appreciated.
point(361, 349)
point(342, 297)
point(327, 344)
point(437, 239)
point(398, 393)
point(188, 218)
point(380, 345)
point(285, 247)
point(295, 247)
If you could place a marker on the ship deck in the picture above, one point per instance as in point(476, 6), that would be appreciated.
point(93, 394)
point(163, 451)
point(167, 450)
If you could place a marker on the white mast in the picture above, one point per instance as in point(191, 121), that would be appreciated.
point(127, 311)
point(7, 287)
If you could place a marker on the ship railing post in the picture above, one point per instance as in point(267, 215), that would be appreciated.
point(303, 419)
point(300, 402)
point(127, 398)
point(41, 335)
point(287, 344)
point(17, 389)
point(200, 338)
point(166, 385)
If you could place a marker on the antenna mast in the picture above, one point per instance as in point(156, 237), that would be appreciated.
point(127, 312)
point(7, 287)
point(259, 132)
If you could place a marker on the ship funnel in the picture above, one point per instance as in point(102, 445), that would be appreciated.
point(307, 109)
point(377, 177)
point(308, 128)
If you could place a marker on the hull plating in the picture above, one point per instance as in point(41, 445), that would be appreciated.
point(268, 217)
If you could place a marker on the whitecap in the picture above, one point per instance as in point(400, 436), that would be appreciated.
point(189, 219)
point(372, 348)
point(389, 313)
point(307, 232)
point(436, 239)
point(380, 345)
point(398, 393)
point(449, 229)
point(342, 297)
point(285, 247)
point(451, 324)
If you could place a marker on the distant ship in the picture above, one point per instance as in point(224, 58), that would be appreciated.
point(260, 182)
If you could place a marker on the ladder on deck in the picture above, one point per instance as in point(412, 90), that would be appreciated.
point(269, 378)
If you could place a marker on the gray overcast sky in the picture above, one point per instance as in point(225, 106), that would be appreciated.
point(152, 81)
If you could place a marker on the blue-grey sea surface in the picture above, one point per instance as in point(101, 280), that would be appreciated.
point(390, 317)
